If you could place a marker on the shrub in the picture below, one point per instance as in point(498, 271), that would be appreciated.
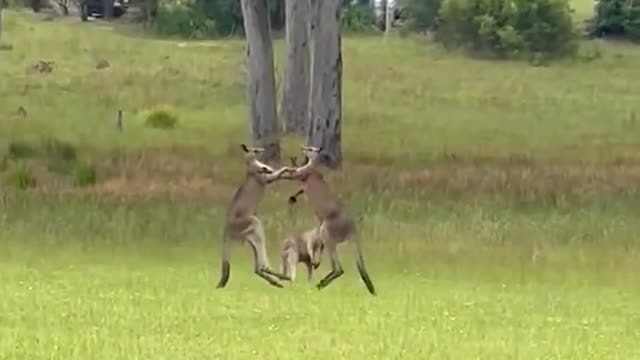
point(161, 118)
point(616, 17)
point(20, 177)
point(84, 175)
point(509, 28)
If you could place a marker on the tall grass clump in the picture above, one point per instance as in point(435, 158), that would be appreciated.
point(59, 155)
point(85, 174)
point(20, 177)
point(20, 149)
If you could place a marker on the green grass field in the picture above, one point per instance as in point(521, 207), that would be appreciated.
point(499, 204)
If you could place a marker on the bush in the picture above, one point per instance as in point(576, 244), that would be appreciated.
point(509, 28)
point(618, 18)
point(20, 177)
point(84, 175)
point(161, 118)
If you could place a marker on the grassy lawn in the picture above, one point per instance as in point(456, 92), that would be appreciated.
point(499, 204)
point(120, 280)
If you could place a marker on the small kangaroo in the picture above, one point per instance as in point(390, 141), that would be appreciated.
point(336, 224)
point(302, 247)
point(242, 224)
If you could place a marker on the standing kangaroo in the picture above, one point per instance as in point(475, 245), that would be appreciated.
point(336, 224)
point(242, 224)
point(302, 247)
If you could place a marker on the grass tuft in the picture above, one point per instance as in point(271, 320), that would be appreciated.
point(85, 174)
point(161, 118)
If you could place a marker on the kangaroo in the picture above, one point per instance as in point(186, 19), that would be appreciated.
point(336, 224)
point(242, 224)
point(302, 247)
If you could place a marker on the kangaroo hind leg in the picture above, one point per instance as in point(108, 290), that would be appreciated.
point(336, 267)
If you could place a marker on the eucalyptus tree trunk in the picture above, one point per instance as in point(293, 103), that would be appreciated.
point(261, 93)
point(295, 100)
point(325, 125)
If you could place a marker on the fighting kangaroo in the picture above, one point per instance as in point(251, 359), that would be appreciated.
point(336, 224)
point(241, 222)
point(302, 247)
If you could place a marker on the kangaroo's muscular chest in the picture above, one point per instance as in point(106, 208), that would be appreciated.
point(323, 202)
point(246, 198)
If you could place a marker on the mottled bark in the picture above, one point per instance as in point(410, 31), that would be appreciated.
point(295, 100)
point(325, 125)
point(261, 94)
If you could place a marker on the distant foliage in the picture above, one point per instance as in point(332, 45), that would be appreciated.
point(199, 19)
point(509, 28)
point(358, 18)
point(617, 18)
point(184, 20)
point(421, 15)
point(161, 118)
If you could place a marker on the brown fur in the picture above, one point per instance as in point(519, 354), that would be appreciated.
point(339, 227)
point(302, 247)
point(241, 222)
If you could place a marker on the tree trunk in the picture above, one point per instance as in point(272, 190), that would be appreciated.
point(261, 94)
point(325, 125)
point(295, 100)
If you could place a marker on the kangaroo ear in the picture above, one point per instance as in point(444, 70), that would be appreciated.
point(244, 147)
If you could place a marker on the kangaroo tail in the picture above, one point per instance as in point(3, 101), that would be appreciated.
point(226, 266)
point(361, 267)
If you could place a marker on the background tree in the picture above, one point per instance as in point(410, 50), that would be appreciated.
point(295, 100)
point(263, 120)
point(325, 124)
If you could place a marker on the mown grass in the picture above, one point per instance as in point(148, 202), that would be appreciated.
point(499, 205)
point(118, 279)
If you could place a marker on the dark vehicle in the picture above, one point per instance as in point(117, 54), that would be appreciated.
point(95, 8)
